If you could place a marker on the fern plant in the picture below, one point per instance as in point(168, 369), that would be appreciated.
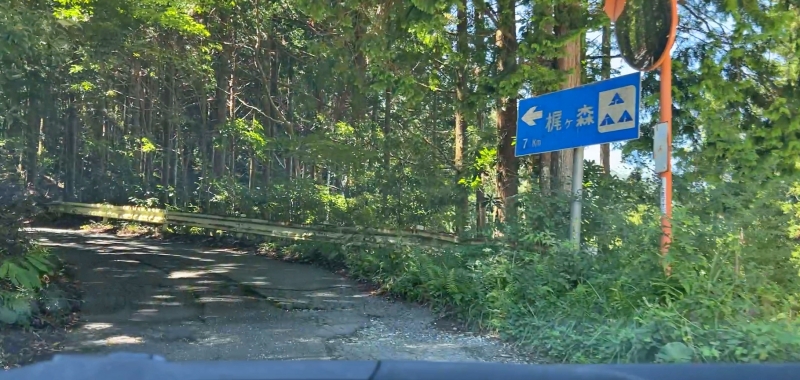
point(26, 271)
point(20, 280)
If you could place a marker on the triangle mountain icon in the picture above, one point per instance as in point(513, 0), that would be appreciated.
point(616, 100)
point(607, 120)
point(625, 117)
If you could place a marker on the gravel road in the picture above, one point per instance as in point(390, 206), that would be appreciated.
point(191, 303)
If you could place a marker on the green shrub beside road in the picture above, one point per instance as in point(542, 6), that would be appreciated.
point(21, 285)
point(25, 267)
point(731, 295)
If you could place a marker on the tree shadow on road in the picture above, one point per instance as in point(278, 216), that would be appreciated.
point(143, 295)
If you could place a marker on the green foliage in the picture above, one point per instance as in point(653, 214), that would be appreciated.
point(611, 301)
point(26, 271)
point(23, 264)
point(20, 284)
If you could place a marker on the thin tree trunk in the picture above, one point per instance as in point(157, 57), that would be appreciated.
point(206, 149)
point(148, 131)
point(460, 130)
point(480, 196)
point(479, 12)
point(544, 11)
point(289, 127)
point(357, 100)
point(605, 68)
point(32, 139)
point(232, 90)
point(545, 175)
point(136, 111)
point(71, 146)
point(386, 128)
point(167, 131)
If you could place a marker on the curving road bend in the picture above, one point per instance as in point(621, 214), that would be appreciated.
point(191, 303)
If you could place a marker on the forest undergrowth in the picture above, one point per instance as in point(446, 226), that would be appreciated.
point(731, 295)
point(38, 299)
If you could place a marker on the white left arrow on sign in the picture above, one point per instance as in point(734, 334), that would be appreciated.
point(531, 116)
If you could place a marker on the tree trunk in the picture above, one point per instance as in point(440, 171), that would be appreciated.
point(505, 39)
point(544, 11)
point(480, 194)
point(167, 131)
point(357, 101)
point(272, 99)
point(571, 63)
point(460, 132)
point(231, 104)
point(136, 112)
point(386, 128)
point(220, 115)
point(289, 125)
point(206, 149)
point(147, 123)
point(71, 146)
point(32, 139)
point(605, 69)
point(479, 11)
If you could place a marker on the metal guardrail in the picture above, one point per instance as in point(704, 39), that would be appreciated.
point(329, 233)
point(131, 213)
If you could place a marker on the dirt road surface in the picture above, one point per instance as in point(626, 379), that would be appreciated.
point(190, 303)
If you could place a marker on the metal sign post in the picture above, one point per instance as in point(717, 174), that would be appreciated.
point(596, 113)
point(575, 209)
point(646, 31)
point(666, 177)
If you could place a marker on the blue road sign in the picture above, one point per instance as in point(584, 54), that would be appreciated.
point(597, 113)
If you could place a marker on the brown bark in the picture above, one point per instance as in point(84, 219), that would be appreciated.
point(206, 147)
point(570, 63)
point(167, 130)
point(292, 164)
point(605, 68)
point(544, 11)
point(479, 11)
point(272, 100)
point(220, 114)
point(231, 104)
point(460, 131)
point(507, 164)
point(357, 101)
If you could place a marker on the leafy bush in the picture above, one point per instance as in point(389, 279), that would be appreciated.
point(730, 297)
point(23, 264)
point(26, 271)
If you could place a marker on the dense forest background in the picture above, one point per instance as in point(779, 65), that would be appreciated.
point(402, 113)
